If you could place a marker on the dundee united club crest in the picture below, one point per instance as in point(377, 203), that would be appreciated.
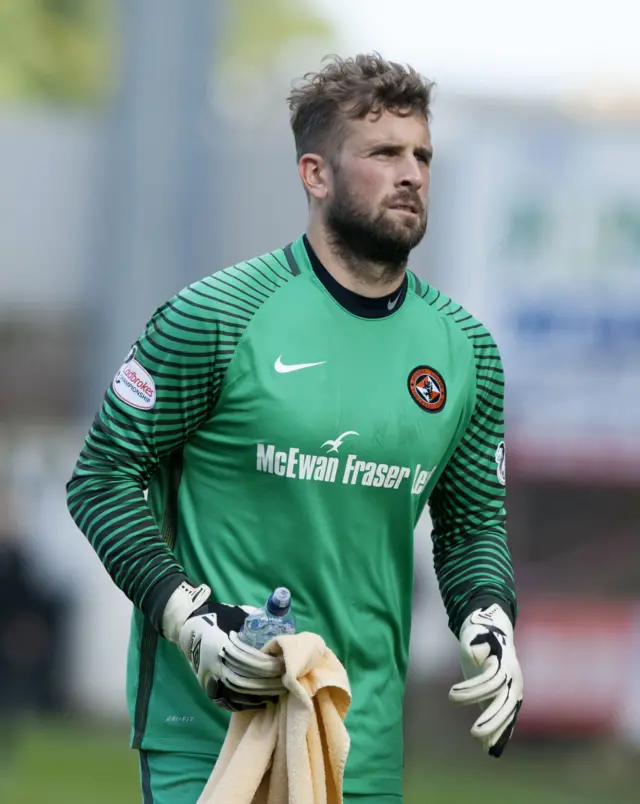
point(427, 388)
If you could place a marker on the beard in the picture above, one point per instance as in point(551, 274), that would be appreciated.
point(361, 235)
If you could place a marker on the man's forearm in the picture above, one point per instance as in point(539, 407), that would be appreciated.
point(474, 572)
point(112, 513)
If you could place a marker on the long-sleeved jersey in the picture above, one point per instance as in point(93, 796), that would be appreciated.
point(268, 428)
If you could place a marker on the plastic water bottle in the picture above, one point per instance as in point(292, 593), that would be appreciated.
point(272, 620)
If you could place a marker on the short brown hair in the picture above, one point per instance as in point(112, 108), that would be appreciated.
point(351, 89)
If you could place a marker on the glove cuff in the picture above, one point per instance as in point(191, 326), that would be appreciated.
point(490, 615)
point(183, 602)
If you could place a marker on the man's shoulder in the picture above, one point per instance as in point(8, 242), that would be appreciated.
point(463, 327)
point(268, 271)
point(241, 287)
point(453, 314)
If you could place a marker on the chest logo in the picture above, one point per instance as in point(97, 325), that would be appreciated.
point(286, 368)
point(427, 389)
point(335, 445)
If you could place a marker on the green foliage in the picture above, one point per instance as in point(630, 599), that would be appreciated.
point(60, 51)
point(53, 50)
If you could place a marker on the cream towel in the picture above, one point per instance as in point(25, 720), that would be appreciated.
point(292, 752)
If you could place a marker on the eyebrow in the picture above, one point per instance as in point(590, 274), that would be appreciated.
point(424, 152)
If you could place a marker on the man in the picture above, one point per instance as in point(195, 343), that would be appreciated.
point(290, 417)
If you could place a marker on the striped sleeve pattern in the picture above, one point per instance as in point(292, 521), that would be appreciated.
point(471, 555)
point(186, 348)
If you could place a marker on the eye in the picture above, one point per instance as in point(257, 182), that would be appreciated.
point(385, 152)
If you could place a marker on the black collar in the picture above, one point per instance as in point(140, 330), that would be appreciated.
point(362, 306)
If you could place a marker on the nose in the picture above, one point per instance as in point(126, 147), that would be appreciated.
point(411, 174)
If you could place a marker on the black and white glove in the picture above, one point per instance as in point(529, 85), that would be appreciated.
point(234, 675)
point(494, 678)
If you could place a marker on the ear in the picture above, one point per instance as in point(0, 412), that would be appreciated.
point(315, 174)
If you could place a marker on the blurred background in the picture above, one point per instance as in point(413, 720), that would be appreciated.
point(144, 145)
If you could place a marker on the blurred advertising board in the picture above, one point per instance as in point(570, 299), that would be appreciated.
point(541, 220)
point(580, 662)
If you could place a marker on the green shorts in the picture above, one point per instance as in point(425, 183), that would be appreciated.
point(171, 778)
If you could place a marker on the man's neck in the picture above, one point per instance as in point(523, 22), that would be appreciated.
point(367, 279)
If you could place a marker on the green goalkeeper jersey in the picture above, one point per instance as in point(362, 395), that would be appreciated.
point(270, 427)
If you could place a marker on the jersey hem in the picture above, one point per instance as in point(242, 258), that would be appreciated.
point(386, 785)
point(170, 744)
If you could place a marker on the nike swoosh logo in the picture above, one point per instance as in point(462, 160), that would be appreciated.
point(392, 304)
point(283, 368)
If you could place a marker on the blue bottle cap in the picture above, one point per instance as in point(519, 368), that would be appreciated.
point(279, 602)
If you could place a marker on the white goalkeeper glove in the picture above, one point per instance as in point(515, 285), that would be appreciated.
point(234, 675)
point(494, 678)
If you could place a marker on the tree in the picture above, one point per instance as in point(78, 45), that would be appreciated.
point(53, 50)
point(62, 50)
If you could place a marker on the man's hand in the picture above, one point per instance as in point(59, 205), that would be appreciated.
point(234, 675)
point(494, 678)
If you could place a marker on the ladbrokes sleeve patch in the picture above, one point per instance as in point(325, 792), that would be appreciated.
point(134, 385)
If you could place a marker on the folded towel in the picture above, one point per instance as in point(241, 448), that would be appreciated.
point(292, 752)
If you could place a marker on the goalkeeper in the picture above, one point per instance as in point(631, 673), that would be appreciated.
point(289, 418)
